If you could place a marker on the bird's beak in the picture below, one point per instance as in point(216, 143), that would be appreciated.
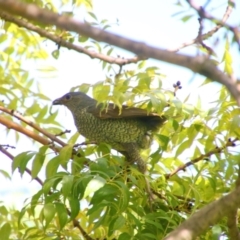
point(57, 101)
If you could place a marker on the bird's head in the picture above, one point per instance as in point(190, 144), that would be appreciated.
point(74, 100)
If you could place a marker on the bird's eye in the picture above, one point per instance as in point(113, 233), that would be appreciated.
point(68, 96)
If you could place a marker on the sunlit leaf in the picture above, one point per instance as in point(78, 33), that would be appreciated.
point(5, 231)
point(48, 211)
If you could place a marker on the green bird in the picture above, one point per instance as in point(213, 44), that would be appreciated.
point(127, 130)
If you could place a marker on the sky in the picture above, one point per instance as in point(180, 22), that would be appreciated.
point(149, 21)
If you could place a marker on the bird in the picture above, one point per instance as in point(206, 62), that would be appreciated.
point(126, 129)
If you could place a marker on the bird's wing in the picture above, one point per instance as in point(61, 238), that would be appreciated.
point(112, 111)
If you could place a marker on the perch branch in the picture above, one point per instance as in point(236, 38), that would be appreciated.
point(33, 125)
point(12, 125)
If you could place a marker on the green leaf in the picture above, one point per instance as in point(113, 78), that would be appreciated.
point(92, 15)
point(125, 195)
point(93, 185)
point(74, 207)
point(21, 215)
point(107, 192)
point(216, 232)
point(116, 224)
point(83, 38)
point(62, 214)
point(65, 154)
point(38, 161)
point(21, 160)
point(175, 124)
point(73, 138)
point(5, 231)
point(141, 64)
point(51, 184)
point(187, 17)
point(188, 109)
point(35, 200)
point(3, 37)
point(42, 112)
point(109, 51)
point(84, 87)
point(9, 50)
point(67, 183)
point(5, 174)
point(56, 53)
point(178, 105)
point(31, 233)
point(80, 186)
point(182, 147)
point(3, 210)
point(124, 236)
point(52, 166)
point(100, 92)
point(163, 141)
point(49, 212)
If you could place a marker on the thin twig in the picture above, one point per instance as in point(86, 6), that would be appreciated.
point(222, 23)
point(77, 225)
point(9, 155)
point(200, 40)
point(63, 43)
point(202, 157)
point(208, 34)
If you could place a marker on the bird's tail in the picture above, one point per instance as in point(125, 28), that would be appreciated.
point(153, 123)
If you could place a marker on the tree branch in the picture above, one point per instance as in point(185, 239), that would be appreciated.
point(205, 35)
point(64, 43)
point(206, 15)
point(27, 132)
point(232, 221)
point(230, 143)
point(205, 217)
point(33, 125)
point(198, 64)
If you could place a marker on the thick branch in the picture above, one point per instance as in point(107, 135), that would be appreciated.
point(232, 221)
point(199, 64)
point(11, 125)
point(209, 215)
point(64, 43)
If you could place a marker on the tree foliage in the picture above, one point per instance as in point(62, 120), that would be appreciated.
point(89, 191)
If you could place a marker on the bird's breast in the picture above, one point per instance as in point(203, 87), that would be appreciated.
point(111, 131)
